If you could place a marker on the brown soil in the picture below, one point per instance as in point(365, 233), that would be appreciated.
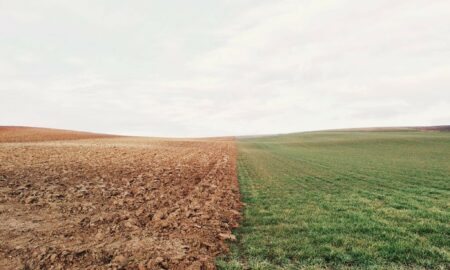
point(435, 128)
point(113, 203)
point(396, 129)
point(31, 134)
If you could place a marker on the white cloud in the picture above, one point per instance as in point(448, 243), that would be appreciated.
point(241, 67)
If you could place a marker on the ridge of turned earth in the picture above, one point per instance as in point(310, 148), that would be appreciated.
point(117, 203)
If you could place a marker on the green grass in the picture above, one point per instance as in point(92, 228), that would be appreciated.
point(344, 200)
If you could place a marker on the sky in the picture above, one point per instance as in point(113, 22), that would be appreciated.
point(231, 67)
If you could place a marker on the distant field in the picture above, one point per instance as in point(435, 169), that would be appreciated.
point(31, 134)
point(369, 200)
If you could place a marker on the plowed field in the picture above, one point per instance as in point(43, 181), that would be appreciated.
point(112, 203)
point(29, 134)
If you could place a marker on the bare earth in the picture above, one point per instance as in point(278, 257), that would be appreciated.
point(31, 134)
point(112, 203)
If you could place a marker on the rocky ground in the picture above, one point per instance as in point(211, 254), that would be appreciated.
point(116, 203)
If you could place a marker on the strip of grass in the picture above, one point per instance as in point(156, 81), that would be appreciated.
point(368, 200)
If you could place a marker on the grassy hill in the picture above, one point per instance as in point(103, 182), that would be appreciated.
point(344, 199)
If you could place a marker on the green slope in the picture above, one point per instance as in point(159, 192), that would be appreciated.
point(369, 200)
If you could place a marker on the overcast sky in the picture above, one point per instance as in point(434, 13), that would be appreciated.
point(205, 68)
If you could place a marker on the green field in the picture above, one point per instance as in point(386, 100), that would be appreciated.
point(338, 200)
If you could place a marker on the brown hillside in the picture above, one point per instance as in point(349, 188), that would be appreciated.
point(32, 134)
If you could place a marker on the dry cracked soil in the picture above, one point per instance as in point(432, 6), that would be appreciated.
point(89, 201)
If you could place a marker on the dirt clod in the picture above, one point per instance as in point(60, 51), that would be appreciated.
point(227, 236)
point(120, 260)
